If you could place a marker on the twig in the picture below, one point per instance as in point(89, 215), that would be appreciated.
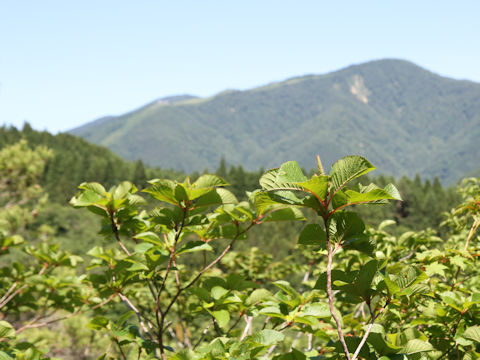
point(31, 325)
point(115, 232)
point(120, 348)
point(365, 336)
point(204, 332)
point(248, 320)
point(205, 269)
point(7, 300)
point(135, 310)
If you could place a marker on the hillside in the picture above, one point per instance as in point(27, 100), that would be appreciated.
point(405, 119)
point(75, 161)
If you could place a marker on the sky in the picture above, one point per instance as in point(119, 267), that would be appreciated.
point(66, 63)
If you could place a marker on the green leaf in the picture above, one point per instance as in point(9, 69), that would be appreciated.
point(472, 333)
point(180, 193)
point(415, 346)
point(318, 310)
point(393, 191)
point(217, 196)
point(287, 288)
point(87, 198)
point(285, 177)
point(293, 355)
point(123, 189)
point(94, 187)
point(290, 172)
point(268, 180)
point(284, 214)
point(365, 278)
point(6, 330)
point(5, 356)
point(339, 200)
point(222, 317)
point(143, 247)
point(257, 296)
point(150, 237)
point(163, 190)
point(217, 292)
point(209, 180)
point(381, 346)
point(318, 185)
point(374, 196)
point(194, 246)
point(347, 169)
point(345, 226)
point(435, 268)
point(312, 234)
point(265, 202)
point(267, 337)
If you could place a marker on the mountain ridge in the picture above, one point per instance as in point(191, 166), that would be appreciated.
point(352, 110)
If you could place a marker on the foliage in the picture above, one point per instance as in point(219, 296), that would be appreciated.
point(74, 161)
point(179, 279)
point(34, 287)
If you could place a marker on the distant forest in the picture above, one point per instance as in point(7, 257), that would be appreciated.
point(75, 161)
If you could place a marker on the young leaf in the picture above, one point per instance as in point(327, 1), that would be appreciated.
point(318, 185)
point(347, 169)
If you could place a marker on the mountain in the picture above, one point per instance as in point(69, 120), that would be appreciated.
point(75, 161)
point(403, 118)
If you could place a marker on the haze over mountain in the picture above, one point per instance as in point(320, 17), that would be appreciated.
point(403, 118)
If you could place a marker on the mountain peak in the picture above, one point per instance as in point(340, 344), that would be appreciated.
point(388, 110)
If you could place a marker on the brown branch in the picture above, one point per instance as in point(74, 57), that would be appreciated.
point(117, 235)
point(329, 290)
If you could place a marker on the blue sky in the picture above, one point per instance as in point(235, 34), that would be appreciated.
point(65, 63)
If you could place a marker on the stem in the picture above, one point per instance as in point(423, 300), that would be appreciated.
point(472, 231)
point(33, 325)
point(365, 336)
point(135, 310)
point(329, 290)
point(117, 235)
point(204, 332)
point(120, 348)
point(160, 315)
point(474, 227)
point(6, 298)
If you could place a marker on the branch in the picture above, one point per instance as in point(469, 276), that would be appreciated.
point(33, 325)
point(329, 291)
point(4, 302)
point(248, 320)
point(365, 336)
point(135, 310)
point(204, 332)
point(117, 235)
point(205, 269)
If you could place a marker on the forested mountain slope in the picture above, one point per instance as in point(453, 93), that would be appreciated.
point(405, 119)
point(75, 161)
